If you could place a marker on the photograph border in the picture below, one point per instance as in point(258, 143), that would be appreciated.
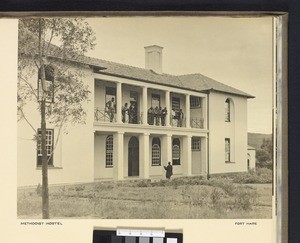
point(281, 99)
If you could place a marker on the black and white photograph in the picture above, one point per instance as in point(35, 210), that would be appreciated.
point(146, 117)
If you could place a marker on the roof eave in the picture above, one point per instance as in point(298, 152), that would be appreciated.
point(148, 81)
point(242, 95)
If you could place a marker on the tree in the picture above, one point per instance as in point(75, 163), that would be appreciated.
point(264, 155)
point(51, 50)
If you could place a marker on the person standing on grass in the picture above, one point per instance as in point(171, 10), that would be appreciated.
point(169, 170)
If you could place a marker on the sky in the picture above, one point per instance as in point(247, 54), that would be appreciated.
point(234, 51)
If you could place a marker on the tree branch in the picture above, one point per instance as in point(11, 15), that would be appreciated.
point(30, 86)
point(23, 115)
point(51, 36)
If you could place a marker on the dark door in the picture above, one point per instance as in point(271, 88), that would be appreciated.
point(133, 157)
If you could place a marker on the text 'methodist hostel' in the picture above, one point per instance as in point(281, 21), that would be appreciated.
point(138, 120)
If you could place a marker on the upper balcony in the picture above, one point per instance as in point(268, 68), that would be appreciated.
point(130, 104)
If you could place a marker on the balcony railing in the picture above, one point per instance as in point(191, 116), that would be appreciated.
point(197, 122)
point(157, 120)
point(132, 118)
point(104, 115)
point(177, 121)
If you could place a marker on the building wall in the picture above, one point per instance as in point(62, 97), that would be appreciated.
point(236, 130)
point(251, 156)
point(80, 154)
point(73, 155)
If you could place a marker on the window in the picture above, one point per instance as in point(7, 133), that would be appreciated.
point(227, 150)
point(155, 102)
point(110, 93)
point(175, 104)
point(49, 84)
point(49, 146)
point(176, 151)
point(195, 102)
point(156, 157)
point(227, 110)
point(196, 144)
point(109, 151)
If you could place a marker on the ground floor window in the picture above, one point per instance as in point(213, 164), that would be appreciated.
point(49, 146)
point(196, 144)
point(109, 151)
point(176, 151)
point(156, 153)
point(227, 149)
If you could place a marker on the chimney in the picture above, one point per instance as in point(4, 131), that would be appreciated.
point(153, 58)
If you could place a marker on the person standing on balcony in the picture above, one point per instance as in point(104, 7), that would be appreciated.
point(180, 118)
point(156, 115)
point(164, 113)
point(111, 108)
point(151, 116)
point(169, 170)
point(159, 116)
point(132, 113)
point(125, 113)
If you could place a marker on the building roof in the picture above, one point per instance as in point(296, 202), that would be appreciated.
point(195, 82)
point(251, 148)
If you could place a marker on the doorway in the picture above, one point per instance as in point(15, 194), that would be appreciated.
point(133, 157)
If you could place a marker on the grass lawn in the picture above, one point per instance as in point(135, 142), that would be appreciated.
point(178, 198)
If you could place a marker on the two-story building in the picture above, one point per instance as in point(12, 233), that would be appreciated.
point(139, 119)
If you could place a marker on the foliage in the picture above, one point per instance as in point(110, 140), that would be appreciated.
point(39, 190)
point(245, 198)
point(64, 42)
point(264, 155)
point(260, 175)
point(51, 76)
point(115, 200)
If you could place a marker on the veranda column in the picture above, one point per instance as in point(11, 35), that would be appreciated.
point(145, 106)
point(204, 112)
point(118, 155)
point(187, 111)
point(144, 155)
point(204, 157)
point(167, 149)
point(119, 102)
point(187, 156)
point(168, 106)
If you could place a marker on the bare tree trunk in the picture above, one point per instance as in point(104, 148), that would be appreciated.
point(45, 193)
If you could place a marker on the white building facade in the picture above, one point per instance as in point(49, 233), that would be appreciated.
point(204, 130)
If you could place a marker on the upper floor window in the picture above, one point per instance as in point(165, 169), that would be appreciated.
point(155, 101)
point(175, 104)
point(109, 151)
point(227, 110)
point(49, 147)
point(195, 102)
point(48, 84)
point(110, 95)
point(227, 149)
point(176, 151)
point(156, 152)
point(196, 144)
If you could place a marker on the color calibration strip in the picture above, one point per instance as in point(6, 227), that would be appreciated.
point(141, 233)
point(136, 236)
